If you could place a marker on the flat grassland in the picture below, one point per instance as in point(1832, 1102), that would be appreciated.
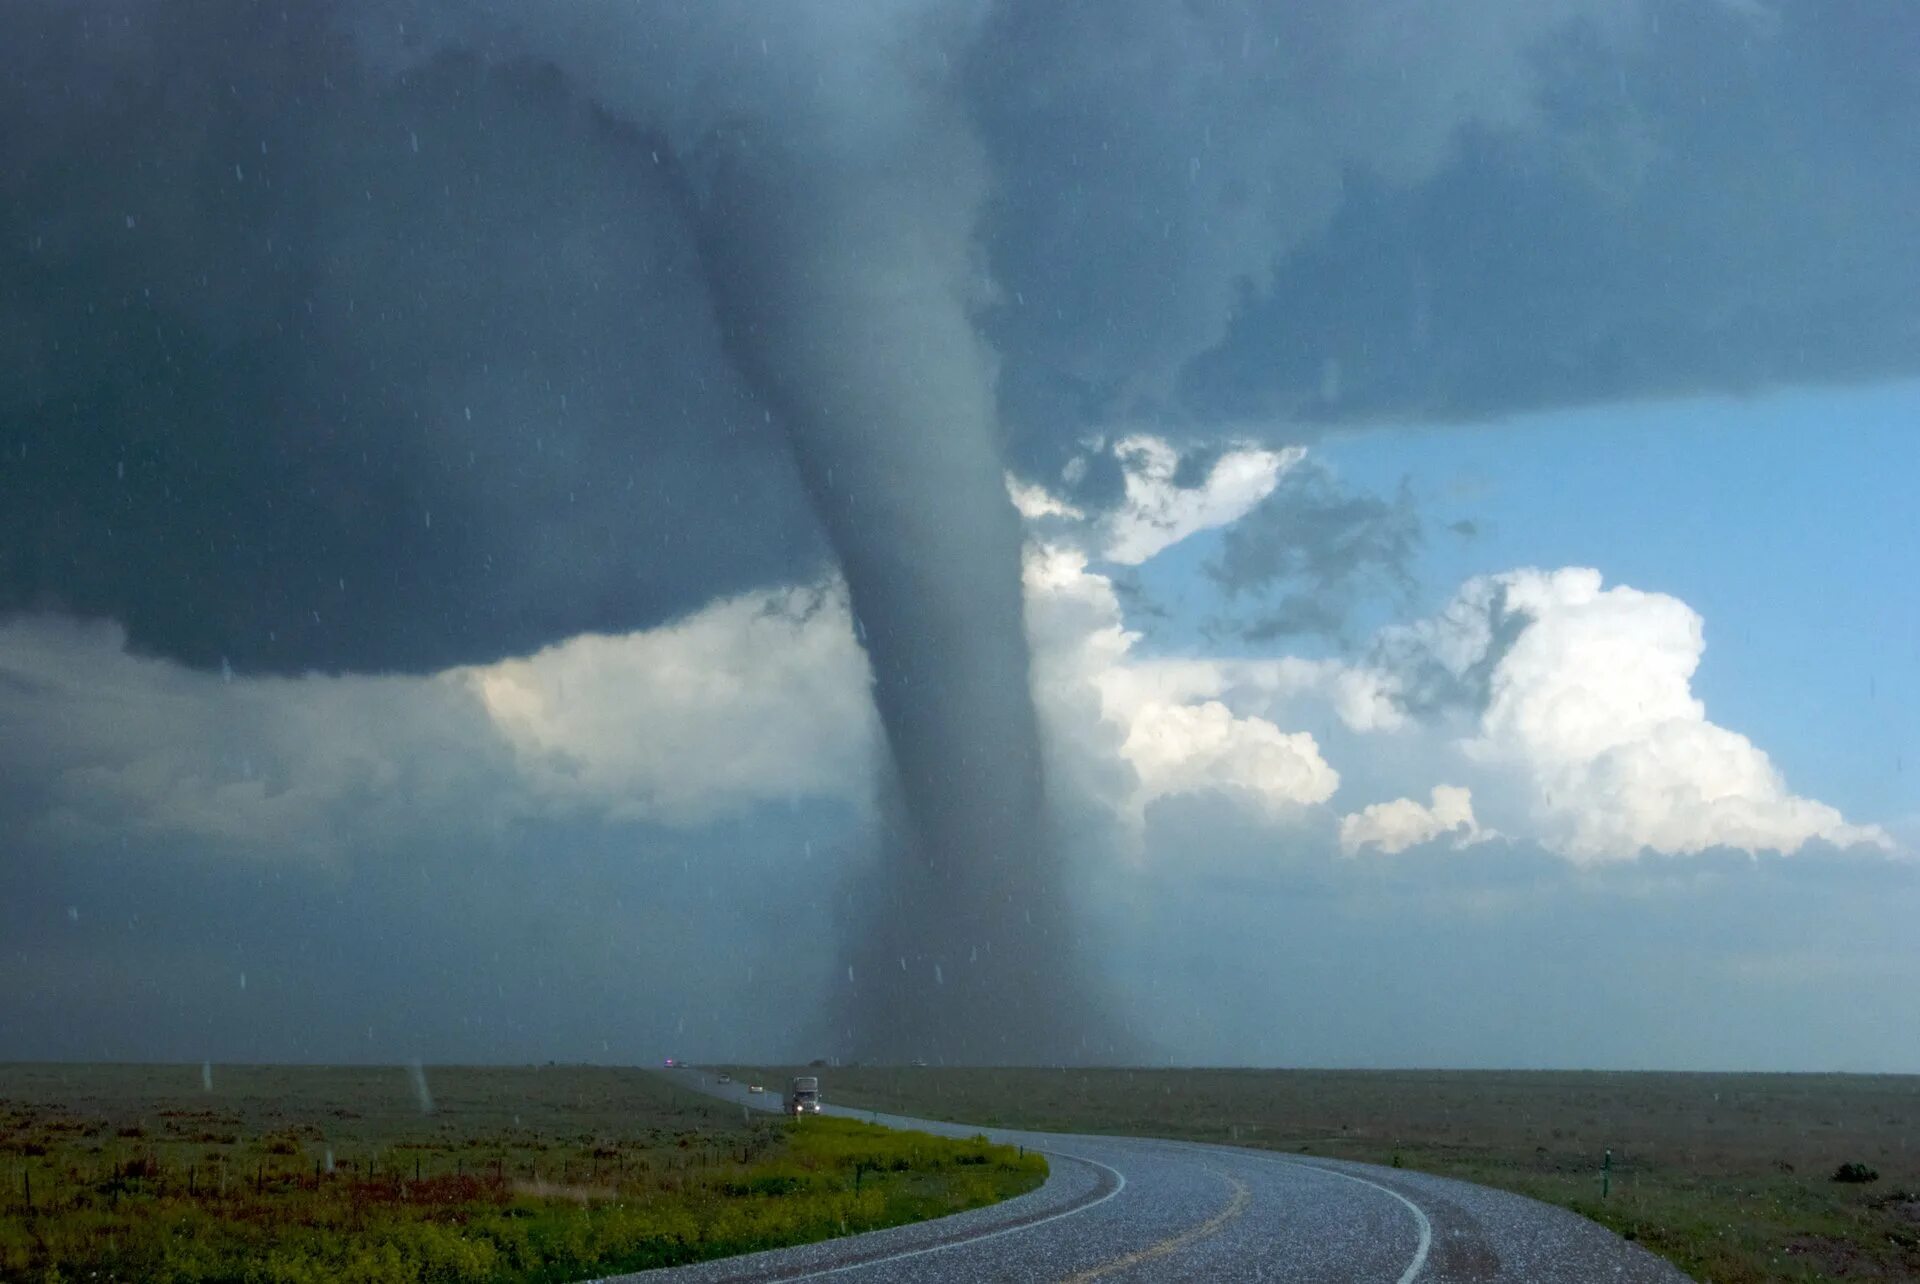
point(448, 1174)
point(1728, 1176)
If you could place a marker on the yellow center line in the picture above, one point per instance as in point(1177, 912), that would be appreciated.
point(1236, 1206)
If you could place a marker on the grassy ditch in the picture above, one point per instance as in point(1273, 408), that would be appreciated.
point(1728, 1176)
point(552, 1174)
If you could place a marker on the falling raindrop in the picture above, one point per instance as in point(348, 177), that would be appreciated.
point(226, 670)
point(849, 974)
point(206, 1076)
point(73, 913)
point(939, 977)
point(243, 980)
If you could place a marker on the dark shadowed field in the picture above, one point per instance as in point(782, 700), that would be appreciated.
point(1729, 1176)
point(179, 1173)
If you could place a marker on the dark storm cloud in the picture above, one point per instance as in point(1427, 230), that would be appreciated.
point(1435, 676)
point(309, 368)
point(1161, 164)
point(1311, 550)
point(253, 289)
point(1720, 204)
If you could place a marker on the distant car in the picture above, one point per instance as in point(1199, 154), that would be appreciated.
point(754, 1087)
point(919, 1063)
point(672, 1064)
point(726, 1078)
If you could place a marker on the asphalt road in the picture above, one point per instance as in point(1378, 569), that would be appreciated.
point(1134, 1209)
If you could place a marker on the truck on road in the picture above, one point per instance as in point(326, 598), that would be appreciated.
point(803, 1096)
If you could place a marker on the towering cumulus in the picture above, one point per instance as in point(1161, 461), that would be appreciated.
point(835, 185)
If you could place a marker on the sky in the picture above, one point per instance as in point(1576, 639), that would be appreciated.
point(1318, 535)
point(1733, 505)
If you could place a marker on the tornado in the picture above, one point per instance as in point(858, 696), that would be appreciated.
point(845, 293)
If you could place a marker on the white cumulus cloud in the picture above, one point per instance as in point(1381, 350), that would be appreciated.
point(754, 698)
point(1393, 827)
point(1156, 512)
point(1586, 709)
point(1171, 723)
point(1034, 501)
point(1187, 748)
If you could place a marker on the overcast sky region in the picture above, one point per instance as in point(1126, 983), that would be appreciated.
point(1315, 534)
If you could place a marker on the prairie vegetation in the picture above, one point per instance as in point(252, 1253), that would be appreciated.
point(476, 1174)
point(1735, 1178)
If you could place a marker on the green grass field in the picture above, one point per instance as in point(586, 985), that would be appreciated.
point(343, 1174)
point(1727, 1176)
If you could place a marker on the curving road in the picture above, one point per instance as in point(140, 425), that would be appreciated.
point(1135, 1209)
